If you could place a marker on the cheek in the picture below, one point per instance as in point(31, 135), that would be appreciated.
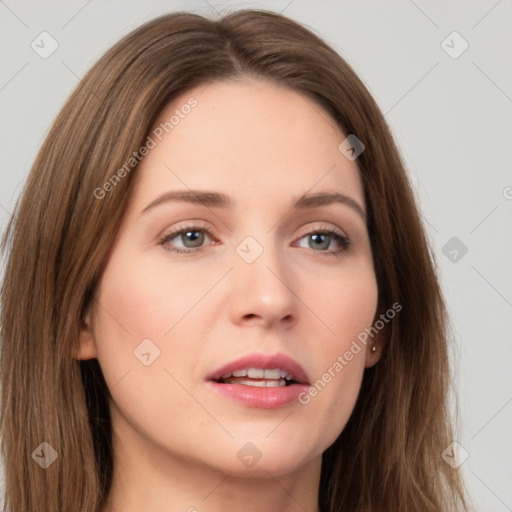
point(147, 317)
point(348, 308)
point(140, 312)
point(141, 300)
point(344, 302)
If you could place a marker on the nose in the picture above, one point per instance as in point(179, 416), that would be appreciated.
point(263, 291)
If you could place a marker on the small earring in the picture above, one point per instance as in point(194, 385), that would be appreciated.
point(374, 349)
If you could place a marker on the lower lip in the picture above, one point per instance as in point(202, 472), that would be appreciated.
point(260, 397)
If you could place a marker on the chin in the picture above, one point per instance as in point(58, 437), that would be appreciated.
point(275, 455)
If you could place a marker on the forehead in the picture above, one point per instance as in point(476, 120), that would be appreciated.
point(250, 138)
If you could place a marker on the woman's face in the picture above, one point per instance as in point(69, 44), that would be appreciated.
point(209, 340)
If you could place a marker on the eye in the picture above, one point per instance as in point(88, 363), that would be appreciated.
point(321, 240)
point(191, 238)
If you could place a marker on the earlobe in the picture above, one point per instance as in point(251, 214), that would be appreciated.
point(375, 347)
point(373, 353)
point(87, 344)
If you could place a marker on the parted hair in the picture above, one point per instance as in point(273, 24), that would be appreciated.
point(388, 456)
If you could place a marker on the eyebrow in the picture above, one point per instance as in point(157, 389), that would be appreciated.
point(212, 199)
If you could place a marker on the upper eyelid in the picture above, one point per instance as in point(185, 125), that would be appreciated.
point(308, 230)
point(181, 229)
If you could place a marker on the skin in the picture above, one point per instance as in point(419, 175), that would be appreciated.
point(175, 440)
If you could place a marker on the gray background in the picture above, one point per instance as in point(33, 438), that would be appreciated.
point(451, 118)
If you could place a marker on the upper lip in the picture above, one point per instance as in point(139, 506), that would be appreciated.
point(265, 362)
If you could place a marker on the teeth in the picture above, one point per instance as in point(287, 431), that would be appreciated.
point(259, 377)
point(272, 374)
point(258, 383)
point(255, 373)
point(260, 373)
point(275, 383)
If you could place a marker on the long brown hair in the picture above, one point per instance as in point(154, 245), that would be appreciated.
point(388, 457)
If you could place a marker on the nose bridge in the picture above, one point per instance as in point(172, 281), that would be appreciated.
point(261, 261)
point(261, 281)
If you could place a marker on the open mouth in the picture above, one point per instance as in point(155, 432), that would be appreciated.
point(260, 380)
point(259, 377)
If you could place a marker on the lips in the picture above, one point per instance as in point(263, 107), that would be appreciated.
point(260, 381)
point(254, 368)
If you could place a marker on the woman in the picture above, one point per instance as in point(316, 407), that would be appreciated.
point(219, 293)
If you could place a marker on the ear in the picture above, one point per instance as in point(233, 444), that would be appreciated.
point(87, 344)
point(376, 342)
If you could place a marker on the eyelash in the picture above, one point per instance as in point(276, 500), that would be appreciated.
point(335, 235)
